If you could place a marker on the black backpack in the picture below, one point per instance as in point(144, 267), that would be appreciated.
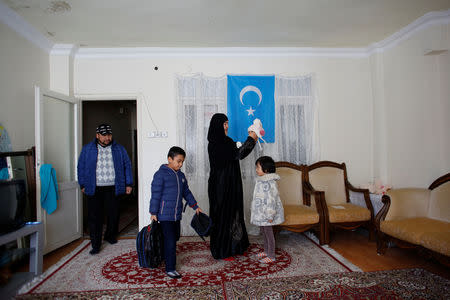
point(150, 246)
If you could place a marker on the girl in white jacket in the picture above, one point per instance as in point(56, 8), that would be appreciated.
point(266, 209)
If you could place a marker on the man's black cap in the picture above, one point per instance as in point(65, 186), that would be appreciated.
point(104, 129)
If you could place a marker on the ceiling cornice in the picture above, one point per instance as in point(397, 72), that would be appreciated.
point(142, 52)
point(64, 49)
point(10, 18)
point(429, 19)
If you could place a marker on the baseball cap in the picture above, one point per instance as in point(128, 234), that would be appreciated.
point(104, 129)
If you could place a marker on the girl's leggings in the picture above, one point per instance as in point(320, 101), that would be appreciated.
point(269, 241)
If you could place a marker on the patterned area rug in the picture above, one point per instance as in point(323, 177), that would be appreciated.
point(303, 270)
point(397, 284)
point(115, 270)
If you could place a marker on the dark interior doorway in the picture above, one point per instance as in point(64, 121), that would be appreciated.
point(121, 114)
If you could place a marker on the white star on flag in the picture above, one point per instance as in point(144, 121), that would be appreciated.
point(251, 111)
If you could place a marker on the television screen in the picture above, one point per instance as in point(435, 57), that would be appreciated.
point(12, 204)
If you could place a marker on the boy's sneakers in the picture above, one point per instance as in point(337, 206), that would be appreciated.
point(261, 254)
point(173, 274)
point(267, 260)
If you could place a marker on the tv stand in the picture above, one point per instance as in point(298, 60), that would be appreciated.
point(36, 232)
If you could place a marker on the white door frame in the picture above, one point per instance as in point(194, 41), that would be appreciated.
point(139, 98)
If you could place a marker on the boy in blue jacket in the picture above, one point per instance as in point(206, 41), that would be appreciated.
point(169, 187)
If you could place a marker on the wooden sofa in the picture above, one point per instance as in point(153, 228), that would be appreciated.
point(300, 213)
point(417, 217)
point(328, 181)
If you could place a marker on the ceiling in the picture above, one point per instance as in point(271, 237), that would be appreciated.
point(221, 23)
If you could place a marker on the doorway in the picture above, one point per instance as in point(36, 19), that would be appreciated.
point(121, 115)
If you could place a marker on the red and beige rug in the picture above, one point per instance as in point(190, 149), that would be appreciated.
point(396, 284)
point(303, 270)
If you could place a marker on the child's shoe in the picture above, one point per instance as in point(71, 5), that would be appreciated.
point(267, 260)
point(261, 255)
point(173, 274)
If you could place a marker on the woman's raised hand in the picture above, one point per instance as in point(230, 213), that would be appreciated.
point(253, 135)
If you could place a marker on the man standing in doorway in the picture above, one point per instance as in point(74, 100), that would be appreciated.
point(104, 173)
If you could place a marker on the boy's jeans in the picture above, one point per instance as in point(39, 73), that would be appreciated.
point(171, 233)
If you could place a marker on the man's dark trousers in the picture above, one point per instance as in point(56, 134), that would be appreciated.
point(104, 195)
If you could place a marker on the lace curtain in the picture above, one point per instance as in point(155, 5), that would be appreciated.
point(199, 97)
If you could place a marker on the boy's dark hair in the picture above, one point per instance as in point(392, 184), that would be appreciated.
point(174, 151)
point(267, 164)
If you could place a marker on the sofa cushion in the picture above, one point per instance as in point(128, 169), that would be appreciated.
point(347, 212)
point(331, 181)
point(430, 233)
point(439, 207)
point(408, 203)
point(438, 241)
point(300, 214)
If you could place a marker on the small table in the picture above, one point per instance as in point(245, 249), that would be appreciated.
point(358, 199)
point(36, 232)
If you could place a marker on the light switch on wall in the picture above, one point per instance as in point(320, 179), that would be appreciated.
point(157, 134)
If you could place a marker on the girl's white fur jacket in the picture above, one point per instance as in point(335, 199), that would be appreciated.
point(266, 203)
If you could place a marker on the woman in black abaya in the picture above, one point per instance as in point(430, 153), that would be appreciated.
point(226, 208)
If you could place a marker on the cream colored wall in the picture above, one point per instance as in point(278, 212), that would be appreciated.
point(343, 89)
point(22, 65)
point(413, 97)
point(61, 74)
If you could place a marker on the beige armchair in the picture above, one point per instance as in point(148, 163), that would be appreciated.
point(330, 178)
point(300, 214)
point(417, 217)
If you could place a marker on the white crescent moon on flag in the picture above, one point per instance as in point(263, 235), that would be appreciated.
point(250, 88)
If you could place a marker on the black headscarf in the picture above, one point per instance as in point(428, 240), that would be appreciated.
point(216, 132)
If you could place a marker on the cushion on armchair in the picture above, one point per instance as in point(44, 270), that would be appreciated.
point(290, 186)
point(300, 214)
point(331, 181)
point(347, 212)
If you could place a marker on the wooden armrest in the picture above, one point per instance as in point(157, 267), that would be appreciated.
point(355, 189)
point(308, 188)
point(319, 198)
point(366, 196)
point(381, 215)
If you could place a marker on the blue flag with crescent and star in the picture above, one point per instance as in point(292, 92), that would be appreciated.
point(250, 97)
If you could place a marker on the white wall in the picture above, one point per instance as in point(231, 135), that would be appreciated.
point(414, 97)
point(22, 65)
point(343, 89)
